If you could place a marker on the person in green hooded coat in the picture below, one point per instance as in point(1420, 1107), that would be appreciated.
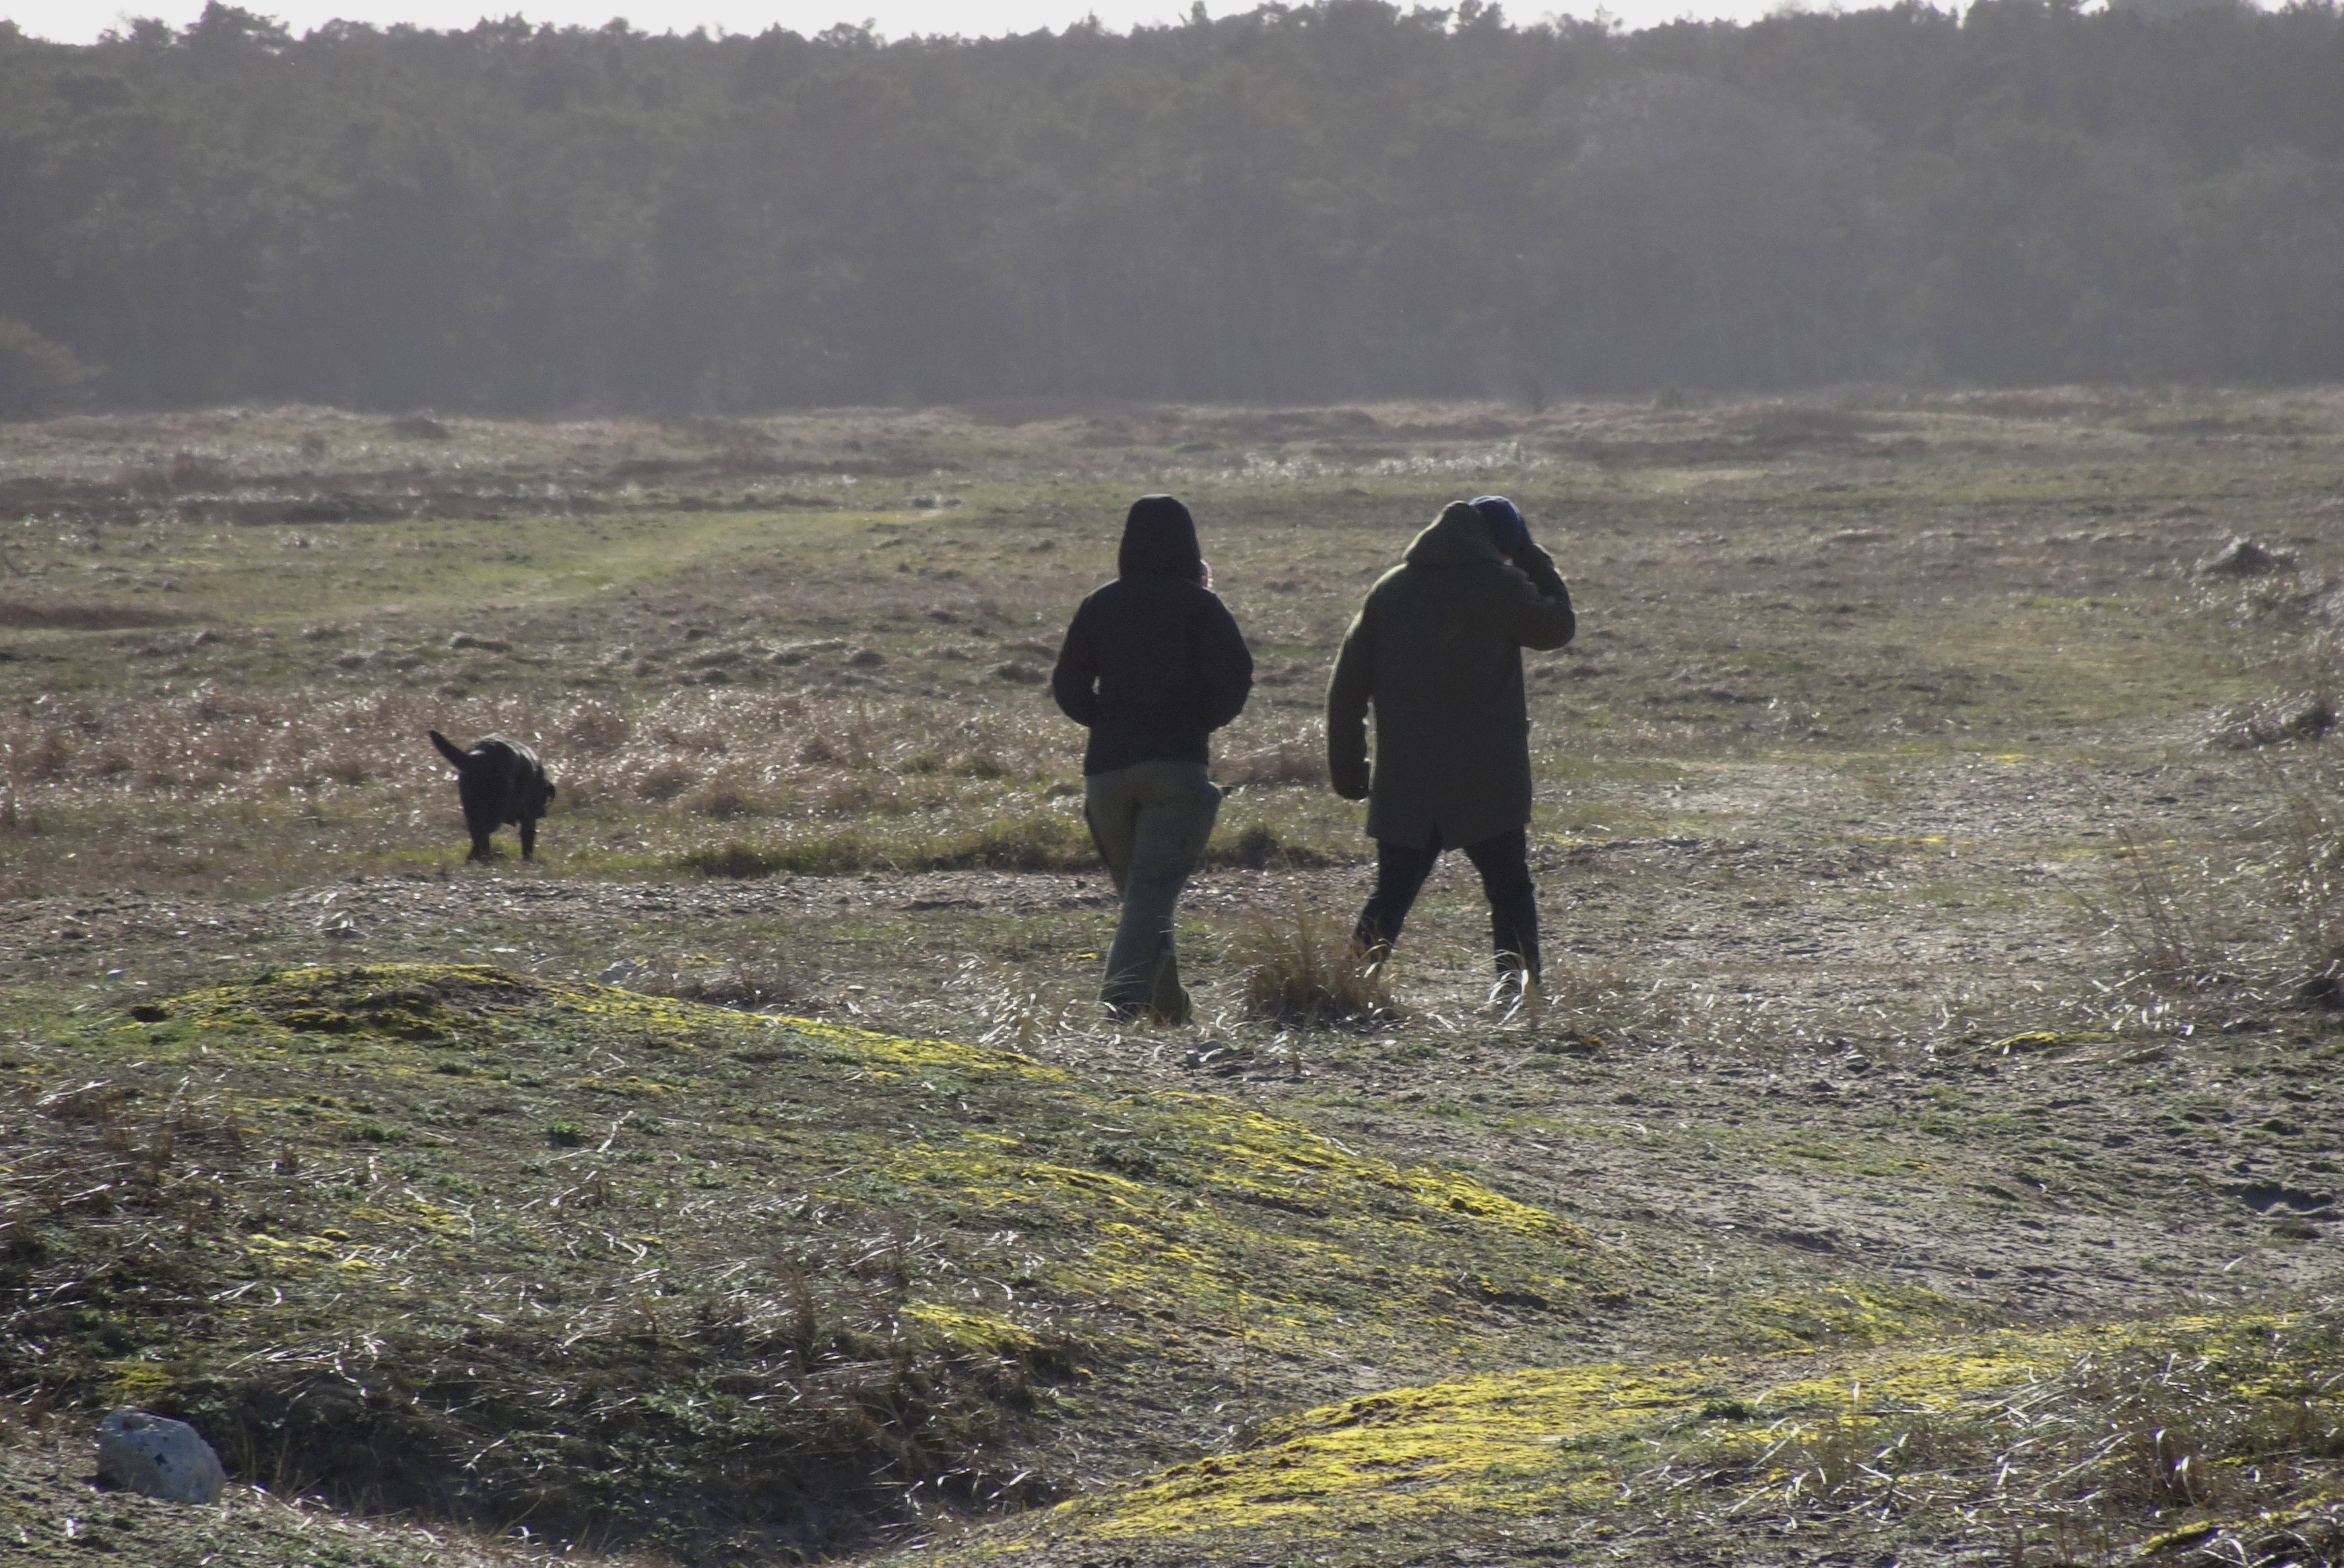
point(1436, 654)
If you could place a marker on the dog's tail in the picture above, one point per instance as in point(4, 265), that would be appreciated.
point(448, 748)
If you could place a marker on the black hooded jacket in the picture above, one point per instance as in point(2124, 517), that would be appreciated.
point(1153, 662)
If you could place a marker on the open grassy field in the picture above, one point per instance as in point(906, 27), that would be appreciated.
point(1927, 1151)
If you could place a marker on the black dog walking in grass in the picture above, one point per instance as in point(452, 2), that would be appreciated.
point(499, 782)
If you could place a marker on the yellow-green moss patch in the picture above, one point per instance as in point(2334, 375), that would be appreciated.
point(2097, 1422)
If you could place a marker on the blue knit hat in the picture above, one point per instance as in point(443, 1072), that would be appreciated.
point(1507, 531)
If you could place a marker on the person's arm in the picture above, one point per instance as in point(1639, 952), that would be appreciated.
point(1228, 667)
point(1348, 691)
point(1542, 618)
point(1075, 682)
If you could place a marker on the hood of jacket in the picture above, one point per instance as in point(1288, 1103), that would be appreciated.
point(1160, 539)
point(1460, 536)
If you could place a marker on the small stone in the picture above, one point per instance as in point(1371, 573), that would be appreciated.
point(619, 973)
point(159, 1457)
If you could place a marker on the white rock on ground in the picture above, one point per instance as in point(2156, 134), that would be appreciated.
point(157, 1456)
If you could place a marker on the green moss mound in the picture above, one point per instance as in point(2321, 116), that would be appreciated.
point(504, 1250)
point(2178, 1439)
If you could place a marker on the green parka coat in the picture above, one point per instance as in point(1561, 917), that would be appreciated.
point(1437, 651)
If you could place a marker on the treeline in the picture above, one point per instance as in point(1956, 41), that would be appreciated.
point(1312, 202)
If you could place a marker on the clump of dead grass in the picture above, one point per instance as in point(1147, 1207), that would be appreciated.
point(1593, 999)
point(2311, 872)
point(2175, 909)
point(1297, 759)
point(770, 983)
point(666, 780)
point(1305, 971)
point(721, 801)
point(2155, 909)
point(1016, 1009)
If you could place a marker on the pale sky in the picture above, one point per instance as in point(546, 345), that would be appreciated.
point(81, 21)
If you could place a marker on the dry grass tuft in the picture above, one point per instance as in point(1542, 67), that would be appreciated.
point(2311, 871)
point(1307, 972)
point(769, 984)
point(720, 801)
point(1594, 999)
point(1293, 760)
point(2155, 910)
point(598, 727)
point(665, 781)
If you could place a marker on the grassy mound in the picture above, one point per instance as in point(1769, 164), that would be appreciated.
point(2195, 1440)
point(509, 1251)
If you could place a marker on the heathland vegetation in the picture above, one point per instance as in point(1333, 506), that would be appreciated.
point(1313, 202)
point(1928, 1150)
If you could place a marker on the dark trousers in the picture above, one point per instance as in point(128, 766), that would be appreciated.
point(1504, 863)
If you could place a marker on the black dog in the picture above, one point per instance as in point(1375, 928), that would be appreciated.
point(498, 781)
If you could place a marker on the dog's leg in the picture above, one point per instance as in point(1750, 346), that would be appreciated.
point(527, 838)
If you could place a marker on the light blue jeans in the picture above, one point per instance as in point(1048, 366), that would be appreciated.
point(1150, 822)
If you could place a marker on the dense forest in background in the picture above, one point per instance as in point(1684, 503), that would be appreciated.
point(1306, 202)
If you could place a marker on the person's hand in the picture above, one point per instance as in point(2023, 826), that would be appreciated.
point(1353, 786)
point(1538, 566)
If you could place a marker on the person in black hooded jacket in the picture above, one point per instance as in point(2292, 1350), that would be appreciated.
point(1153, 663)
